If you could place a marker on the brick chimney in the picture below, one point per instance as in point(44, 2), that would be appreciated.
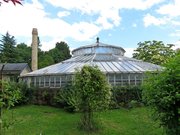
point(34, 45)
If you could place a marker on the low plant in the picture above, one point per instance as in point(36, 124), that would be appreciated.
point(123, 96)
point(9, 96)
point(67, 97)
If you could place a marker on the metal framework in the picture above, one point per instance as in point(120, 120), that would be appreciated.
point(120, 70)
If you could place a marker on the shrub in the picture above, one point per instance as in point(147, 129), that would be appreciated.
point(26, 93)
point(162, 94)
point(122, 96)
point(94, 94)
point(10, 94)
point(67, 98)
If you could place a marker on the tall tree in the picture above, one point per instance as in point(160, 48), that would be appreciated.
point(94, 94)
point(7, 48)
point(162, 94)
point(24, 53)
point(154, 52)
point(60, 52)
point(45, 59)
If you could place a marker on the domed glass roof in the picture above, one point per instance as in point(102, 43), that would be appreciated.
point(109, 59)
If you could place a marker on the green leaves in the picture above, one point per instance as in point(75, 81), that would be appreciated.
point(162, 93)
point(9, 95)
point(154, 52)
point(7, 49)
point(93, 87)
point(94, 94)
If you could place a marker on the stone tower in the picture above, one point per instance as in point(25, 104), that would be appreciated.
point(34, 59)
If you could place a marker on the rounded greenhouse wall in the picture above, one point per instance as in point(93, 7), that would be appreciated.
point(57, 81)
point(119, 70)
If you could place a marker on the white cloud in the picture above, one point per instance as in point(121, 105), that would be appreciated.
point(151, 20)
point(108, 10)
point(83, 31)
point(63, 14)
point(172, 9)
point(176, 23)
point(170, 12)
point(104, 23)
point(96, 6)
point(177, 45)
point(19, 20)
point(176, 33)
point(138, 4)
point(129, 52)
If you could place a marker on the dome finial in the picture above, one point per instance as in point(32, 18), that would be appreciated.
point(97, 40)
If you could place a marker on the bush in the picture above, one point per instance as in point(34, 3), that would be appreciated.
point(9, 95)
point(162, 94)
point(123, 96)
point(26, 93)
point(67, 98)
point(93, 92)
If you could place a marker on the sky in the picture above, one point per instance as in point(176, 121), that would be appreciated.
point(122, 23)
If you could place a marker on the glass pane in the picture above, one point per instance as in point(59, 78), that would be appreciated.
point(47, 81)
point(37, 81)
point(52, 81)
point(132, 79)
point(57, 78)
point(138, 79)
point(32, 81)
point(41, 81)
point(69, 78)
point(118, 79)
point(63, 81)
point(125, 79)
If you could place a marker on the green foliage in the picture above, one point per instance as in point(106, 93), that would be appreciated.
point(24, 53)
point(154, 52)
point(16, 94)
point(44, 96)
point(21, 53)
point(7, 49)
point(67, 97)
point(94, 94)
point(162, 93)
point(125, 96)
point(60, 52)
point(45, 60)
point(26, 93)
point(10, 94)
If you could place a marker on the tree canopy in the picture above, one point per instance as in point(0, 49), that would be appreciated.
point(21, 53)
point(162, 94)
point(24, 53)
point(154, 52)
point(7, 48)
point(60, 52)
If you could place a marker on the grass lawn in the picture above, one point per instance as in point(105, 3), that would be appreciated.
point(33, 120)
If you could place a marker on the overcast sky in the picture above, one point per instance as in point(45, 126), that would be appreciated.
point(78, 22)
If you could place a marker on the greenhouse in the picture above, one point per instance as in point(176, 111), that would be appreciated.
point(110, 59)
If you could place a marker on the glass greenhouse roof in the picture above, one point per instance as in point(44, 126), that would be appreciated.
point(109, 59)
